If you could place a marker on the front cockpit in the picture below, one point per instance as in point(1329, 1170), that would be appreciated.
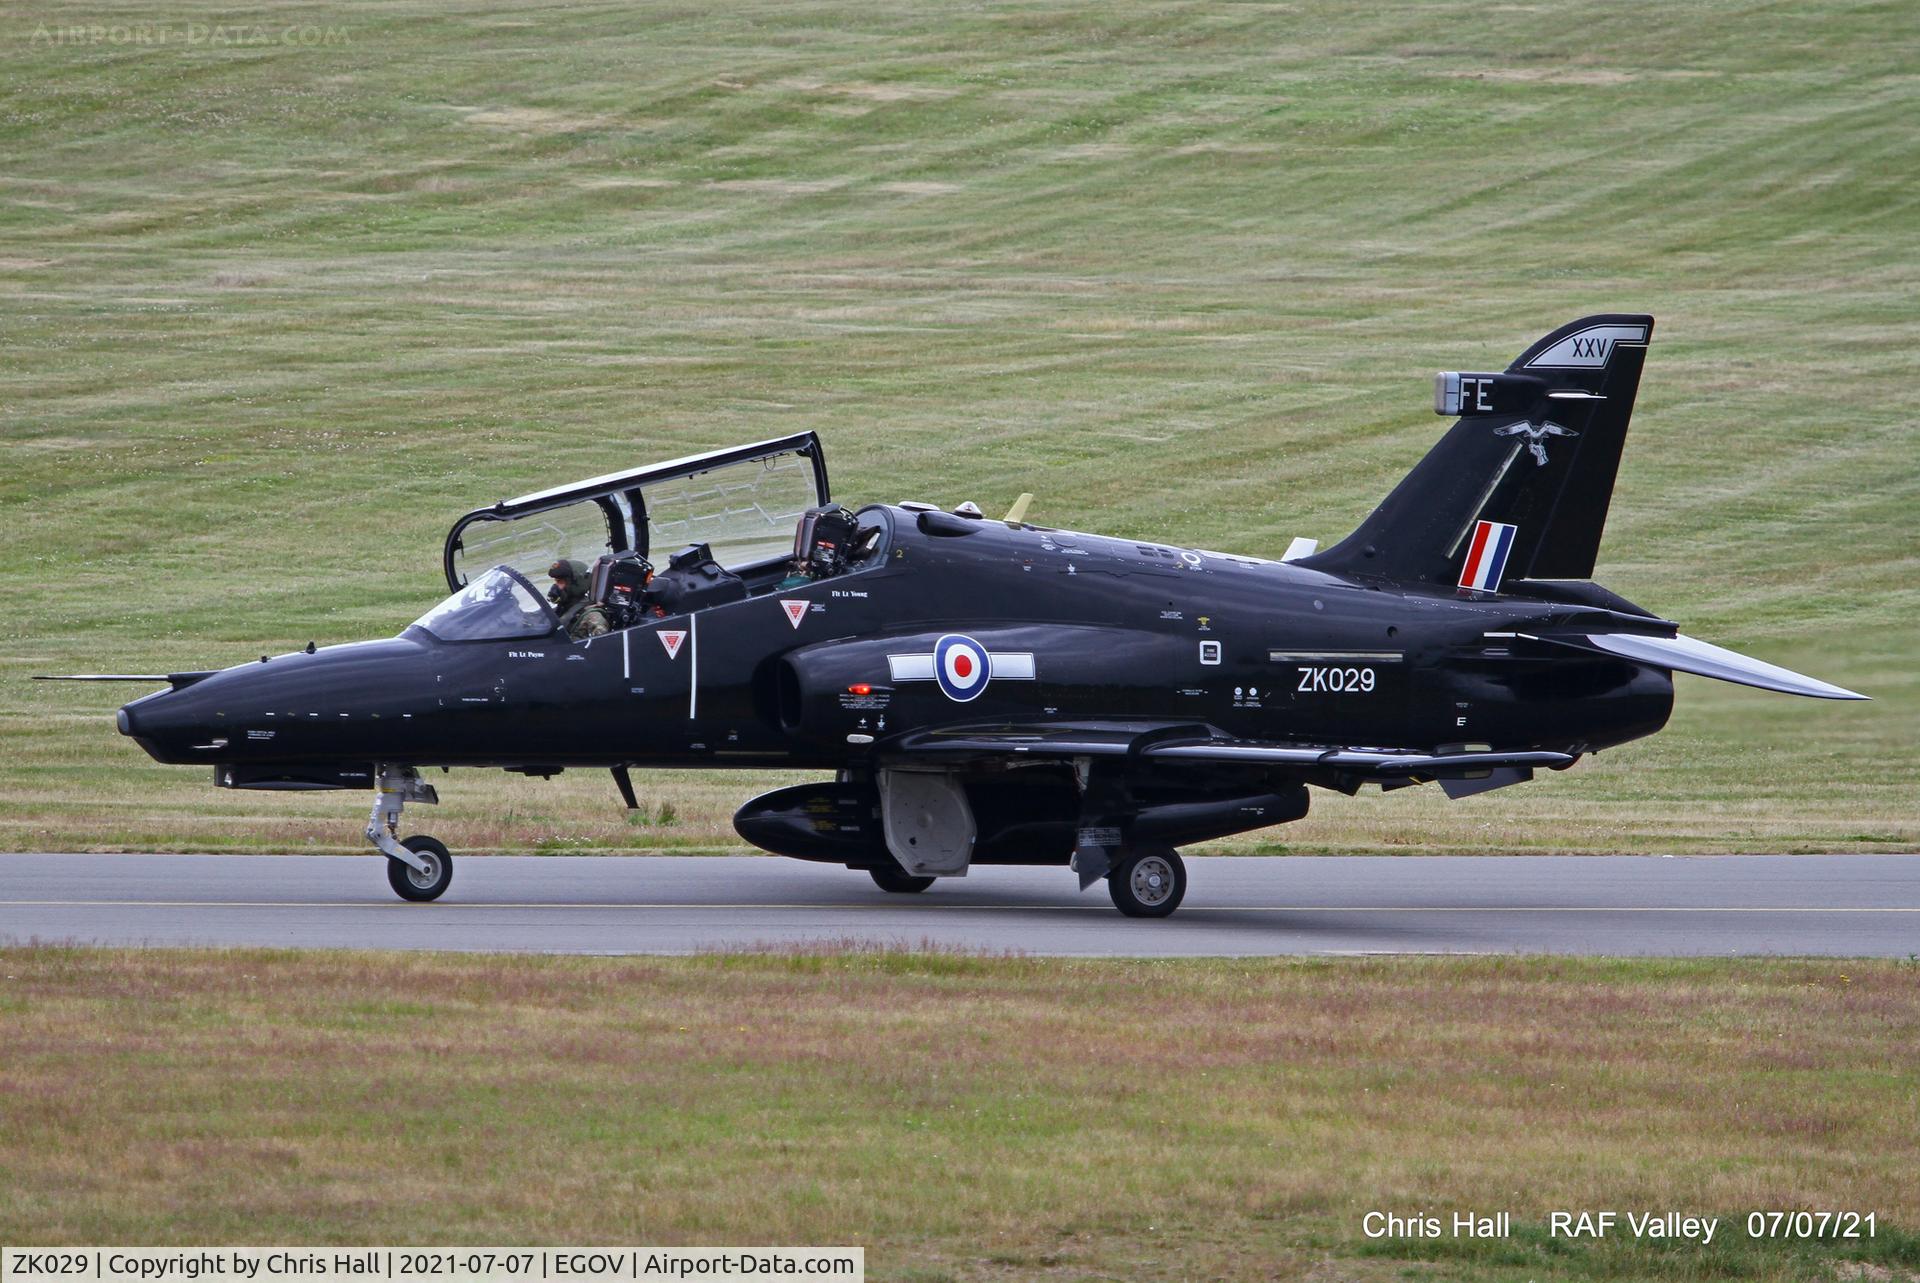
point(498, 606)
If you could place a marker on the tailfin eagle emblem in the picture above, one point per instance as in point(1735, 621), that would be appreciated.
point(1536, 435)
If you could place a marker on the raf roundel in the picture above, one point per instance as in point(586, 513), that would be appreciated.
point(961, 666)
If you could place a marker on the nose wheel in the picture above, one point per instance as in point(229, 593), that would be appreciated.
point(1148, 882)
point(419, 868)
point(428, 882)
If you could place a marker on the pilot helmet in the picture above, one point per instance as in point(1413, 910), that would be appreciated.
point(570, 572)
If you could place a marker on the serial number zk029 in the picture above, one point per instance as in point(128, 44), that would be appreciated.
point(1336, 681)
point(54, 1263)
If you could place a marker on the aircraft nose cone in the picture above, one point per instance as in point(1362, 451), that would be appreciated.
point(166, 724)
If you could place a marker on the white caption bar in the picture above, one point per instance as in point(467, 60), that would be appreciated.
point(429, 1265)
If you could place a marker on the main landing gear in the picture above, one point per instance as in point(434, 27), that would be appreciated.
point(898, 880)
point(1148, 882)
point(420, 868)
point(1145, 881)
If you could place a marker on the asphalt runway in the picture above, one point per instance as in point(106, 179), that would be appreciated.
point(1840, 905)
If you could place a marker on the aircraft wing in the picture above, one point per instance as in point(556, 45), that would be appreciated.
point(1381, 762)
point(1064, 739)
point(1173, 742)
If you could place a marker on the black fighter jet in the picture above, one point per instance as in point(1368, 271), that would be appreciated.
point(994, 691)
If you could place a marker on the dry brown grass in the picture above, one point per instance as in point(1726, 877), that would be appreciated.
point(963, 1117)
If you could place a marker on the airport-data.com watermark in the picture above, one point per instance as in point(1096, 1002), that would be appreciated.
point(189, 35)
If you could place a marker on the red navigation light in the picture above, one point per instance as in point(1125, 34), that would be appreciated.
point(859, 688)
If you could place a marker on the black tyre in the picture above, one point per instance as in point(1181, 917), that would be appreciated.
point(899, 881)
point(411, 884)
point(1148, 882)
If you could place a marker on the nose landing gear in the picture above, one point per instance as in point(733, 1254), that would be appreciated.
point(421, 868)
point(427, 882)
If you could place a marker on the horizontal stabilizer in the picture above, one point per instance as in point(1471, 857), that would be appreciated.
point(1704, 659)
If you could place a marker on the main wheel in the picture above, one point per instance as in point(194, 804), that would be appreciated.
point(898, 880)
point(1148, 883)
point(414, 884)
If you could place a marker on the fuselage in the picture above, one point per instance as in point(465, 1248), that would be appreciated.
point(1063, 626)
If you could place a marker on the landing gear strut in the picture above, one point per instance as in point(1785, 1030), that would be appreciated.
point(1148, 882)
point(421, 868)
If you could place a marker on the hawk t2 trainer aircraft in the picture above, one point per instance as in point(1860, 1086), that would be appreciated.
point(980, 692)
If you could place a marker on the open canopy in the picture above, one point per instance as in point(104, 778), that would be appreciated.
point(743, 502)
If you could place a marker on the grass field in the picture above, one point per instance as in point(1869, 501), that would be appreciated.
point(966, 1118)
point(285, 290)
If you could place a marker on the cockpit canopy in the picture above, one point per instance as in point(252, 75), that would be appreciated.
point(501, 604)
point(743, 503)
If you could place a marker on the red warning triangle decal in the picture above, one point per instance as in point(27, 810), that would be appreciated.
point(796, 610)
point(671, 640)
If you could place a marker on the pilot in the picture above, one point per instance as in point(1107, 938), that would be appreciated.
point(569, 591)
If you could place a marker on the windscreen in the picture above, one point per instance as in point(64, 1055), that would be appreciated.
point(532, 544)
point(746, 512)
point(499, 604)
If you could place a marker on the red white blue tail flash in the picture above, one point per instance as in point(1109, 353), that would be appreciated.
point(1487, 556)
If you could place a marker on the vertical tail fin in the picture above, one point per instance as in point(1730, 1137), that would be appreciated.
point(1519, 487)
